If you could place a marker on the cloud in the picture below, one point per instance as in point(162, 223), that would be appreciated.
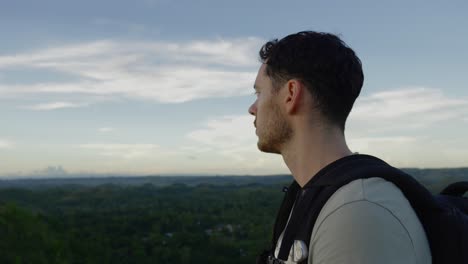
point(105, 129)
point(167, 72)
point(232, 137)
point(369, 143)
point(422, 151)
point(410, 127)
point(5, 144)
point(413, 107)
point(226, 132)
point(228, 144)
point(125, 151)
point(392, 125)
point(53, 106)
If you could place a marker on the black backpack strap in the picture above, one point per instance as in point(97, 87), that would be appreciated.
point(283, 215)
point(456, 189)
point(304, 205)
point(323, 185)
point(366, 166)
point(267, 256)
point(453, 195)
point(442, 216)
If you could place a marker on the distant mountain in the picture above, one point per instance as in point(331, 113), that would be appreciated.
point(434, 179)
point(141, 180)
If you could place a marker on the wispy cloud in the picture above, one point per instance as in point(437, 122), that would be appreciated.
point(125, 151)
point(54, 106)
point(413, 107)
point(225, 132)
point(406, 113)
point(5, 144)
point(367, 143)
point(405, 123)
point(229, 144)
point(397, 110)
point(168, 72)
point(105, 129)
point(421, 151)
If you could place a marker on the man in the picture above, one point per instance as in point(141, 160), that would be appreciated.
point(305, 88)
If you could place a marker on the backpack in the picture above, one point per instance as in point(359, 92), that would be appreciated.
point(444, 217)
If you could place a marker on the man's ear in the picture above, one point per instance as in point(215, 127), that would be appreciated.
point(293, 97)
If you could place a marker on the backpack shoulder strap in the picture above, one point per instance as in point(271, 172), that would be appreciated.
point(284, 211)
point(456, 189)
point(320, 188)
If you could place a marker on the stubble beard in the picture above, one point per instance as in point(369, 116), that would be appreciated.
point(276, 134)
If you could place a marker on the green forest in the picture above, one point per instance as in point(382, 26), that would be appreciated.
point(137, 224)
point(182, 223)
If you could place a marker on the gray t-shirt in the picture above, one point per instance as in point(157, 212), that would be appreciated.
point(367, 221)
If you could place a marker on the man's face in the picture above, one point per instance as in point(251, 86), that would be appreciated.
point(271, 127)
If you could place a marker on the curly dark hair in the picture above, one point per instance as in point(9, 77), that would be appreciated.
point(323, 63)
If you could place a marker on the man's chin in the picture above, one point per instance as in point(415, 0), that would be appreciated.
point(267, 148)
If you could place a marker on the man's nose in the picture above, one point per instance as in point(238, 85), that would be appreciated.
point(253, 109)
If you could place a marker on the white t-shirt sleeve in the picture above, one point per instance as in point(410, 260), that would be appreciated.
point(361, 232)
point(368, 221)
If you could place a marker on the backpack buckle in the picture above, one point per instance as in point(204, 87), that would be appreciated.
point(272, 260)
point(300, 251)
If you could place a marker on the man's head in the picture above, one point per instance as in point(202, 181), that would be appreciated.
point(329, 69)
point(321, 63)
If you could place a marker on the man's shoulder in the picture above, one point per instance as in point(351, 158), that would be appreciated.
point(358, 214)
point(374, 190)
point(369, 194)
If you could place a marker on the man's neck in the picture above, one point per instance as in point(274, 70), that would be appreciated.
point(308, 153)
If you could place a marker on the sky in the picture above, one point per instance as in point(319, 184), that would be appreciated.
point(162, 87)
